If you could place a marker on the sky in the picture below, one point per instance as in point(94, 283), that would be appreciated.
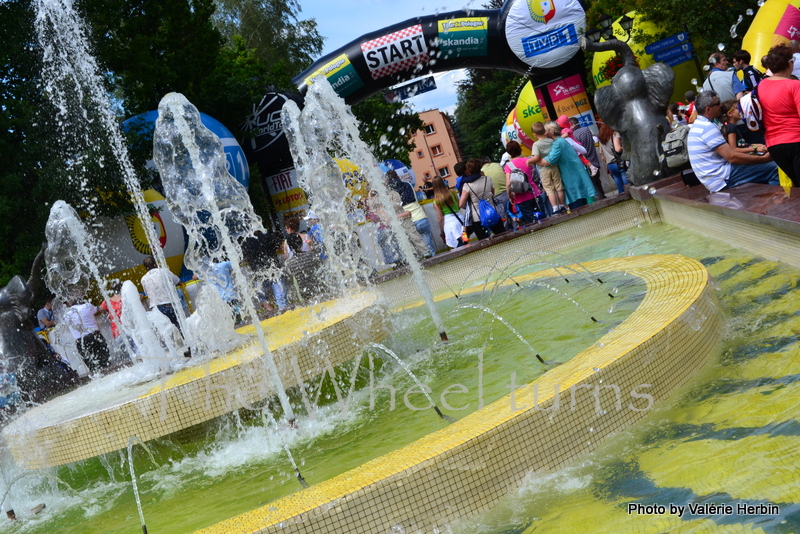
point(342, 21)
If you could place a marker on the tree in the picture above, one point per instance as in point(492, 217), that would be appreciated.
point(153, 47)
point(26, 140)
point(283, 43)
point(387, 128)
point(485, 98)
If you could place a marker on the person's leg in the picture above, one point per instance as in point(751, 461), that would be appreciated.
point(613, 168)
point(500, 204)
point(598, 187)
point(760, 173)
point(787, 157)
point(279, 293)
point(527, 208)
point(479, 231)
point(169, 311)
point(424, 229)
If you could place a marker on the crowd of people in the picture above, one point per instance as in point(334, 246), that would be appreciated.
point(745, 125)
point(561, 174)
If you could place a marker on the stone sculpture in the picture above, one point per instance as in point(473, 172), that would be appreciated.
point(635, 105)
point(23, 355)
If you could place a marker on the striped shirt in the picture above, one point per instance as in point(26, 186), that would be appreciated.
point(710, 168)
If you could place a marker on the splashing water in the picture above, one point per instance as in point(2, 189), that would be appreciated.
point(422, 388)
point(326, 124)
point(507, 325)
point(211, 205)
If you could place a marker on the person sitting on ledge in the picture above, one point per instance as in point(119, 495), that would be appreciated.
point(716, 164)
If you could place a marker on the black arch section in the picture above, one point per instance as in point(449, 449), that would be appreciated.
point(354, 77)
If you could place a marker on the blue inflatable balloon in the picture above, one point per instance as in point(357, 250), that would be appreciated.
point(402, 170)
point(234, 155)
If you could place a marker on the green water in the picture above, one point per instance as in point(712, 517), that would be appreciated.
point(730, 437)
point(234, 465)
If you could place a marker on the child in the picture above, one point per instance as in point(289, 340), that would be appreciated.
point(514, 215)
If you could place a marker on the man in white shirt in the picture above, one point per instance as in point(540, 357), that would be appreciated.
point(91, 344)
point(716, 163)
point(159, 284)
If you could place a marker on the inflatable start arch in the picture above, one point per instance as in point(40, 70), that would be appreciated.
point(538, 38)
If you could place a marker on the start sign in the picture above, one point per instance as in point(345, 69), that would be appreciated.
point(395, 52)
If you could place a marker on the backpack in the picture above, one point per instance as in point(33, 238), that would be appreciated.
point(518, 181)
point(675, 147)
point(486, 212)
point(750, 109)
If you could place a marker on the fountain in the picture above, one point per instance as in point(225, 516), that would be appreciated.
point(366, 472)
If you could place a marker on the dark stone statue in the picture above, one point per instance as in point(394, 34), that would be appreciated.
point(635, 105)
point(38, 372)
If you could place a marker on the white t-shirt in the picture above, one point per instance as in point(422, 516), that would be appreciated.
point(80, 319)
point(796, 70)
point(158, 292)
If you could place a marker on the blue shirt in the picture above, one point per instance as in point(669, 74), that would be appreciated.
point(222, 278)
point(316, 234)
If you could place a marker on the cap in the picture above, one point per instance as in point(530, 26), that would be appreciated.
point(310, 215)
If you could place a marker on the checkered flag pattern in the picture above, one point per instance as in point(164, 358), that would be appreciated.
point(395, 39)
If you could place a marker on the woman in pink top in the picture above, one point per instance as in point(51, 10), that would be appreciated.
point(780, 100)
point(526, 202)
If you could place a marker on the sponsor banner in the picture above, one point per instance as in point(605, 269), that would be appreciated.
point(404, 92)
point(395, 52)
point(569, 87)
point(569, 97)
point(288, 200)
point(544, 33)
point(667, 42)
point(285, 191)
point(341, 74)
point(789, 26)
point(673, 52)
point(464, 37)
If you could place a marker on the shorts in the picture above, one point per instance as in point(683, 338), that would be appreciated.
point(551, 179)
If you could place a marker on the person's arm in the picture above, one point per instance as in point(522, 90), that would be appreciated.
point(440, 219)
point(554, 156)
point(46, 322)
point(741, 158)
point(579, 148)
point(462, 201)
point(693, 116)
point(618, 144)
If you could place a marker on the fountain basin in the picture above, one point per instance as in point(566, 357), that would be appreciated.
point(471, 464)
point(82, 424)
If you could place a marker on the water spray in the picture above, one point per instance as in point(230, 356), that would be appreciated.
point(387, 350)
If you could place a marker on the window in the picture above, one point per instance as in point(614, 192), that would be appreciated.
point(420, 154)
point(429, 129)
point(444, 172)
point(437, 150)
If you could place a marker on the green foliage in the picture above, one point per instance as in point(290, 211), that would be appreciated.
point(485, 99)
point(708, 22)
point(25, 142)
point(282, 42)
point(153, 47)
point(387, 128)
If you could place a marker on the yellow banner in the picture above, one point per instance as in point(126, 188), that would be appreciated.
point(330, 68)
point(464, 24)
point(289, 199)
point(572, 106)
